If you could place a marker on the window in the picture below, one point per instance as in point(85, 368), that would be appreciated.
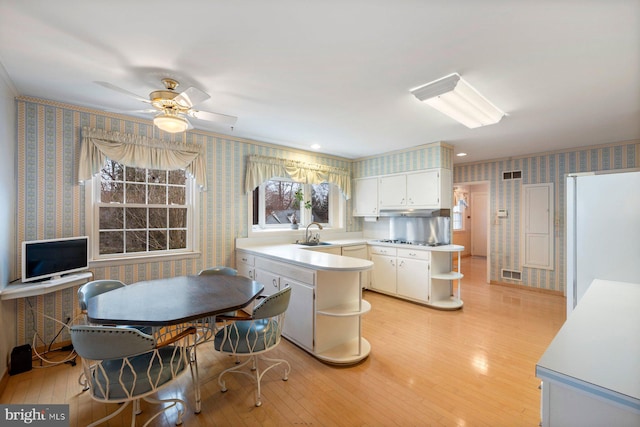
point(457, 215)
point(275, 204)
point(140, 212)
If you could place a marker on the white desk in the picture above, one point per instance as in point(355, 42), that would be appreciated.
point(591, 369)
point(23, 290)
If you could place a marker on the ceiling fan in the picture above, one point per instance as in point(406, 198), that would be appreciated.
point(174, 107)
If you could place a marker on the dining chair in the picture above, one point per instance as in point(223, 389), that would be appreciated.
point(207, 326)
point(253, 337)
point(124, 365)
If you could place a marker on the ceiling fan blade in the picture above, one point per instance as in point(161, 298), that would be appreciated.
point(126, 92)
point(213, 117)
point(191, 96)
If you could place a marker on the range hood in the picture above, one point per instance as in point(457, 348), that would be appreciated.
point(417, 213)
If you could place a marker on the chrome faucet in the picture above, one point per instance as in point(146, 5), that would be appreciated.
point(307, 237)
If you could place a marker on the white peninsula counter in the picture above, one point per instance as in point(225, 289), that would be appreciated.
point(591, 369)
point(324, 314)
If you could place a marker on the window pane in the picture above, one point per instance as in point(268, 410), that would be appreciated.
point(177, 195)
point(112, 171)
point(157, 176)
point(320, 202)
point(157, 195)
point(177, 218)
point(136, 175)
point(157, 217)
point(111, 242)
point(112, 192)
point(136, 218)
point(157, 240)
point(280, 203)
point(136, 193)
point(177, 239)
point(178, 177)
point(136, 241)
point(111, 218)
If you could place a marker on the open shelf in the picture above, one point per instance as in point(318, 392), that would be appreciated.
point(345, 310)
point(346, 353)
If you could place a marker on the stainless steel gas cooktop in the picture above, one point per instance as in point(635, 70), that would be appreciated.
point(408, 242)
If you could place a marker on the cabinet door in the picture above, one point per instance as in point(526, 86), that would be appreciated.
point(269, 280)
point(383, 276)
point(413, 279)
point(245, 270)
point(298, 320)
point(392, 191)
point(366, 197)
point(423, 189)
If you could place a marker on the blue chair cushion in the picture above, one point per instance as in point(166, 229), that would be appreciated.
point(166, 364)
point(247, 336)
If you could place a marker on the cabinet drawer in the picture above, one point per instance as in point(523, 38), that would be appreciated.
point(245, 258)
point(382, 250)
point(297, 273)
point(414, 254)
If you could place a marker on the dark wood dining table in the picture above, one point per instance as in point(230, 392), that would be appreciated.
point(172, 301)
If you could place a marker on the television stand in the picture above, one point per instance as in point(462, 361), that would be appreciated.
point(30, 289)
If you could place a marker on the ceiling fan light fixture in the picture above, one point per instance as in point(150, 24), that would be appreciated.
point(170, 123)
point(453, 96)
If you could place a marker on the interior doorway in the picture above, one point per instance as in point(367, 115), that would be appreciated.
point(473, 201)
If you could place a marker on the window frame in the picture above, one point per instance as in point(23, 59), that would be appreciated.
point(92, 226)
point(337, 209)
point(461, 207)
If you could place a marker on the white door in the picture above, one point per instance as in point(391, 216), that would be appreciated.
point(413, 278)
point(298, 321)
point(383, 276)
point(537, 247)
point(479, 215)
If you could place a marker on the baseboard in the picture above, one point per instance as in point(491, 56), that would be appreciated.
point(527, 288)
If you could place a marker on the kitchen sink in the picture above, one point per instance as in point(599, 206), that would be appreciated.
point(312, 243)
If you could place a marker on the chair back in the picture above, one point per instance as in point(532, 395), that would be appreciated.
point(109, 342)
point(226, 271)
point(96, 287)
point(273, 305)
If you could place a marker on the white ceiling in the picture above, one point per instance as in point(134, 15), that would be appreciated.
point(338, 72)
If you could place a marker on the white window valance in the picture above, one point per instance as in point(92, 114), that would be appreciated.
point(261, 169)
point(140, 152)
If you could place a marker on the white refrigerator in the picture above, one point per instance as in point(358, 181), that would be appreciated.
point(603, 230)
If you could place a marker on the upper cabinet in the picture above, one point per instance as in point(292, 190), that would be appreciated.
point(426, 189)
point(366, 197)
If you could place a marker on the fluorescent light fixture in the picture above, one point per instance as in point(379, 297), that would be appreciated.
point(170, 123)
point(456, 98)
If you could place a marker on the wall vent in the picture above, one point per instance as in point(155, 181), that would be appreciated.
point(512, 175)
point(511, 274)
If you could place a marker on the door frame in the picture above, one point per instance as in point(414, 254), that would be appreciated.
point(488, 186)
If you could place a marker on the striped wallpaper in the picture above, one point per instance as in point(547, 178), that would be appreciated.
point(547, 168)
point(51, 203)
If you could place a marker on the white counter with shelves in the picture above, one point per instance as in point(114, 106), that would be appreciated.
point(324, 315)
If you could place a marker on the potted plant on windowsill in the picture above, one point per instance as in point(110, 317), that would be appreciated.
point(298, 199)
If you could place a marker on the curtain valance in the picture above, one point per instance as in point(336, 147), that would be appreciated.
point(261, 169)
point(139, 151)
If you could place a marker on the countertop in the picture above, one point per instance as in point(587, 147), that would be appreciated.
point(310, 256)
point(598, 348)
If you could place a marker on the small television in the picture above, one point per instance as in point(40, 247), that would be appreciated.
point(52, 258)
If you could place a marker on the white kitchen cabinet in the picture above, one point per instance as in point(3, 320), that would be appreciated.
point(366, 196)
point(383, 276)
point(298, 322)
point(426, 189)
point(413, 274)
point(392, 191)
point(423, 275)
point(245, 265)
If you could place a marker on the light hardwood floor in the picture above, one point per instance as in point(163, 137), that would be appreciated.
point(472, 367)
